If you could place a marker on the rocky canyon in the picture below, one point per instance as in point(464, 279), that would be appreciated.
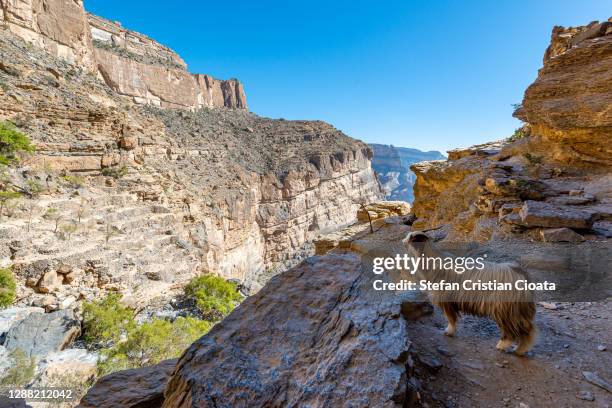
point(144, 177)
point(531, 199)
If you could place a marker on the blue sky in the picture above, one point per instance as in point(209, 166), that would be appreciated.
point(423, 74)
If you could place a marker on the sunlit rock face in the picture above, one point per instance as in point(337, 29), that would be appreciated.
point(554, 172)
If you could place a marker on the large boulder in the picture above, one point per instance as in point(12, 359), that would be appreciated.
point(74, 364)
point(136, 388)
point(316, 335)
point(40, 334)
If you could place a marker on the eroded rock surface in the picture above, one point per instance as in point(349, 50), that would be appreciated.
point(136, 388)
point(554, 172)
point(141, 199)
point(312, 337)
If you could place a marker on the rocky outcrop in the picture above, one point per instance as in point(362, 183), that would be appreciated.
point(113, 36)
point(553, 173)
point(382, 209)
point(569, 105)
point(392, 165)
point(58, 26)
point(42, 333)
point(152, 74)
point(136, 66)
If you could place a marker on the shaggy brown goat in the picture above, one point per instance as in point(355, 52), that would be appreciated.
point(512, 310)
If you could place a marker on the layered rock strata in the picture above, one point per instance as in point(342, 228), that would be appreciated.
point(119, 197)
point(131, 63)
point(554, 172)
point(57, 26)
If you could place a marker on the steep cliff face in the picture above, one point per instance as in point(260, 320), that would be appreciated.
point(58, 26)
point(130, 63)
point(152, 74)
point(141, 199)
point(554, 173)
point(392, 164)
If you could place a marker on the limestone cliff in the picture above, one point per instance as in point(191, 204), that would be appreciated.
point(150, 73)
point(130, 63)
point(552, 178)
point(140, 199)
point(392, 164)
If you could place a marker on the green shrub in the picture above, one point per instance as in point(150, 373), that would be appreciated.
point(34, 187)
point(7, 287)
point(214, 296)
point(152, 342)
point(106, 320)
point(74, 181)
point(518, 134)
point(115, 172)
point(12, 142)
point(21, 372)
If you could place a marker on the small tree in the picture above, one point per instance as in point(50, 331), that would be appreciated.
point(12, 142)
point(5, 197)
point(81, 209)
point(67, 229)
point(106, 320)
point(31, 207)
point(214, 296)
point(53, 215)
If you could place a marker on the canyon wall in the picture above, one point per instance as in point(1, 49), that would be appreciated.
point(392, 164)
point(137, 199)
point(134, 65)
point(551, 179)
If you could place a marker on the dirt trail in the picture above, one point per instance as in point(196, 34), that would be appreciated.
point(467, 371)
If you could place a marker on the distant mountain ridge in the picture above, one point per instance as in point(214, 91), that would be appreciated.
point(392, 164)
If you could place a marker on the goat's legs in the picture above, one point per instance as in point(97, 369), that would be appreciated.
point(504, 342)
point(451, 315)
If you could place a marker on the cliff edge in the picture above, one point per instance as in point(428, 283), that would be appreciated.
point(132, 64)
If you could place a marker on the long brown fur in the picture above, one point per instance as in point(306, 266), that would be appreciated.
point(513, 311)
